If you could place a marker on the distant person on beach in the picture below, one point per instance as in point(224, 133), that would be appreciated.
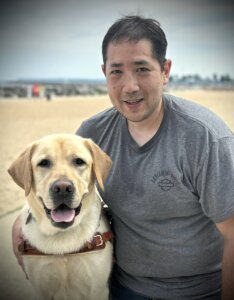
point(36, 90)
point(48, 95)
point(170, 191)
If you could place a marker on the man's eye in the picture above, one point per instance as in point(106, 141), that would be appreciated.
point(142, 70)
point(79, 162)
point(115, 72)
point(44, 163)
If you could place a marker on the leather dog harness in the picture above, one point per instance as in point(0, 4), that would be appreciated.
point(98, 242)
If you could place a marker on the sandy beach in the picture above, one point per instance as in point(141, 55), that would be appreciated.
point(24, 120)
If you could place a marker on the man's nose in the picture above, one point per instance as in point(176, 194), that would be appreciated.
point(130, 84)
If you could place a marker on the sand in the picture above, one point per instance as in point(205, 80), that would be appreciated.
point(22, 121)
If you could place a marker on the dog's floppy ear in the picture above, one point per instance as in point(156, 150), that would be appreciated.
point(21, 170)
point(101, 162)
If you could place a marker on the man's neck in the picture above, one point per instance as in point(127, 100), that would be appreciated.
point(143, 131)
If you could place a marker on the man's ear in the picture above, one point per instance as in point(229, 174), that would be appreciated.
point(101, 162)
point(21, 170)
point(104, 69)
point(166, 71)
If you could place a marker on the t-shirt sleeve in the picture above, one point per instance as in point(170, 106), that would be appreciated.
point(82, 131)
point(215, 182)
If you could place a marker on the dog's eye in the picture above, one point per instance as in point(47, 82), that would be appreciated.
point(79, 162)
point(44, 163)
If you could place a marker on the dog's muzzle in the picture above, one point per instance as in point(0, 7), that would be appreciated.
point(62, 193)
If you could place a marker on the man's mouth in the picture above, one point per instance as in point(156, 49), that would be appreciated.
point(62, 216)
point(133, 102)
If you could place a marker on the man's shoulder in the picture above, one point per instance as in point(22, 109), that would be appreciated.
point(103, 116)
point(98, 123)
point(197, 117)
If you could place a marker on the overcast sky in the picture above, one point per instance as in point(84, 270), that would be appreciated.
point(62, 38)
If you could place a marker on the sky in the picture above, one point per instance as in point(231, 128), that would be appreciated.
point(62, 39)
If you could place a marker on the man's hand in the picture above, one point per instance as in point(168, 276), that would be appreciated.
point(17, 238)
point(227, 230)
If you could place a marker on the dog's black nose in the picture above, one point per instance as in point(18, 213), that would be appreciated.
point(62, 188)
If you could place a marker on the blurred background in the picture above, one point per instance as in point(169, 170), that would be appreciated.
point(50, 44)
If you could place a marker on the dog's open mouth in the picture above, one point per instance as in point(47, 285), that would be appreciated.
point(63, 216)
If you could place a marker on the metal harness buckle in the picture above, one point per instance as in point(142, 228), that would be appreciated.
point(101, 242)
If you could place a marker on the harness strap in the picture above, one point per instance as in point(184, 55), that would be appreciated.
point(98, 242)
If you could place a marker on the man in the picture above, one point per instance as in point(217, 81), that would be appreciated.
point(170, 190)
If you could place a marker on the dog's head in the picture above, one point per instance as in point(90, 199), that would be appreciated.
point(57, 172)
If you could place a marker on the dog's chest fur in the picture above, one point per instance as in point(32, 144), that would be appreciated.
point(73, 276)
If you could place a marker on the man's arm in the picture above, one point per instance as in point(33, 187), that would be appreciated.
point(17, 238)
point(227, 230)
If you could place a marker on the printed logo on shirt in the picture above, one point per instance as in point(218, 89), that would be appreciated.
point(164, 179)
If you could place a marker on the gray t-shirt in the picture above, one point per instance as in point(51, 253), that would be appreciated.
point(165, 198)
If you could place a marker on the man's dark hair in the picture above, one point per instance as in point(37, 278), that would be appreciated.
point(135, 28)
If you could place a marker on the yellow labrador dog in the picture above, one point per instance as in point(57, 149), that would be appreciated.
point(67, 251)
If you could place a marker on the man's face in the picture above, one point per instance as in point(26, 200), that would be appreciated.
point(134, 79)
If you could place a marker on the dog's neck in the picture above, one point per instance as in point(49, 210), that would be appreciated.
point(98, 241)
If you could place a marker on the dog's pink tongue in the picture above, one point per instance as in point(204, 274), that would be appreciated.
point(64, 215)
